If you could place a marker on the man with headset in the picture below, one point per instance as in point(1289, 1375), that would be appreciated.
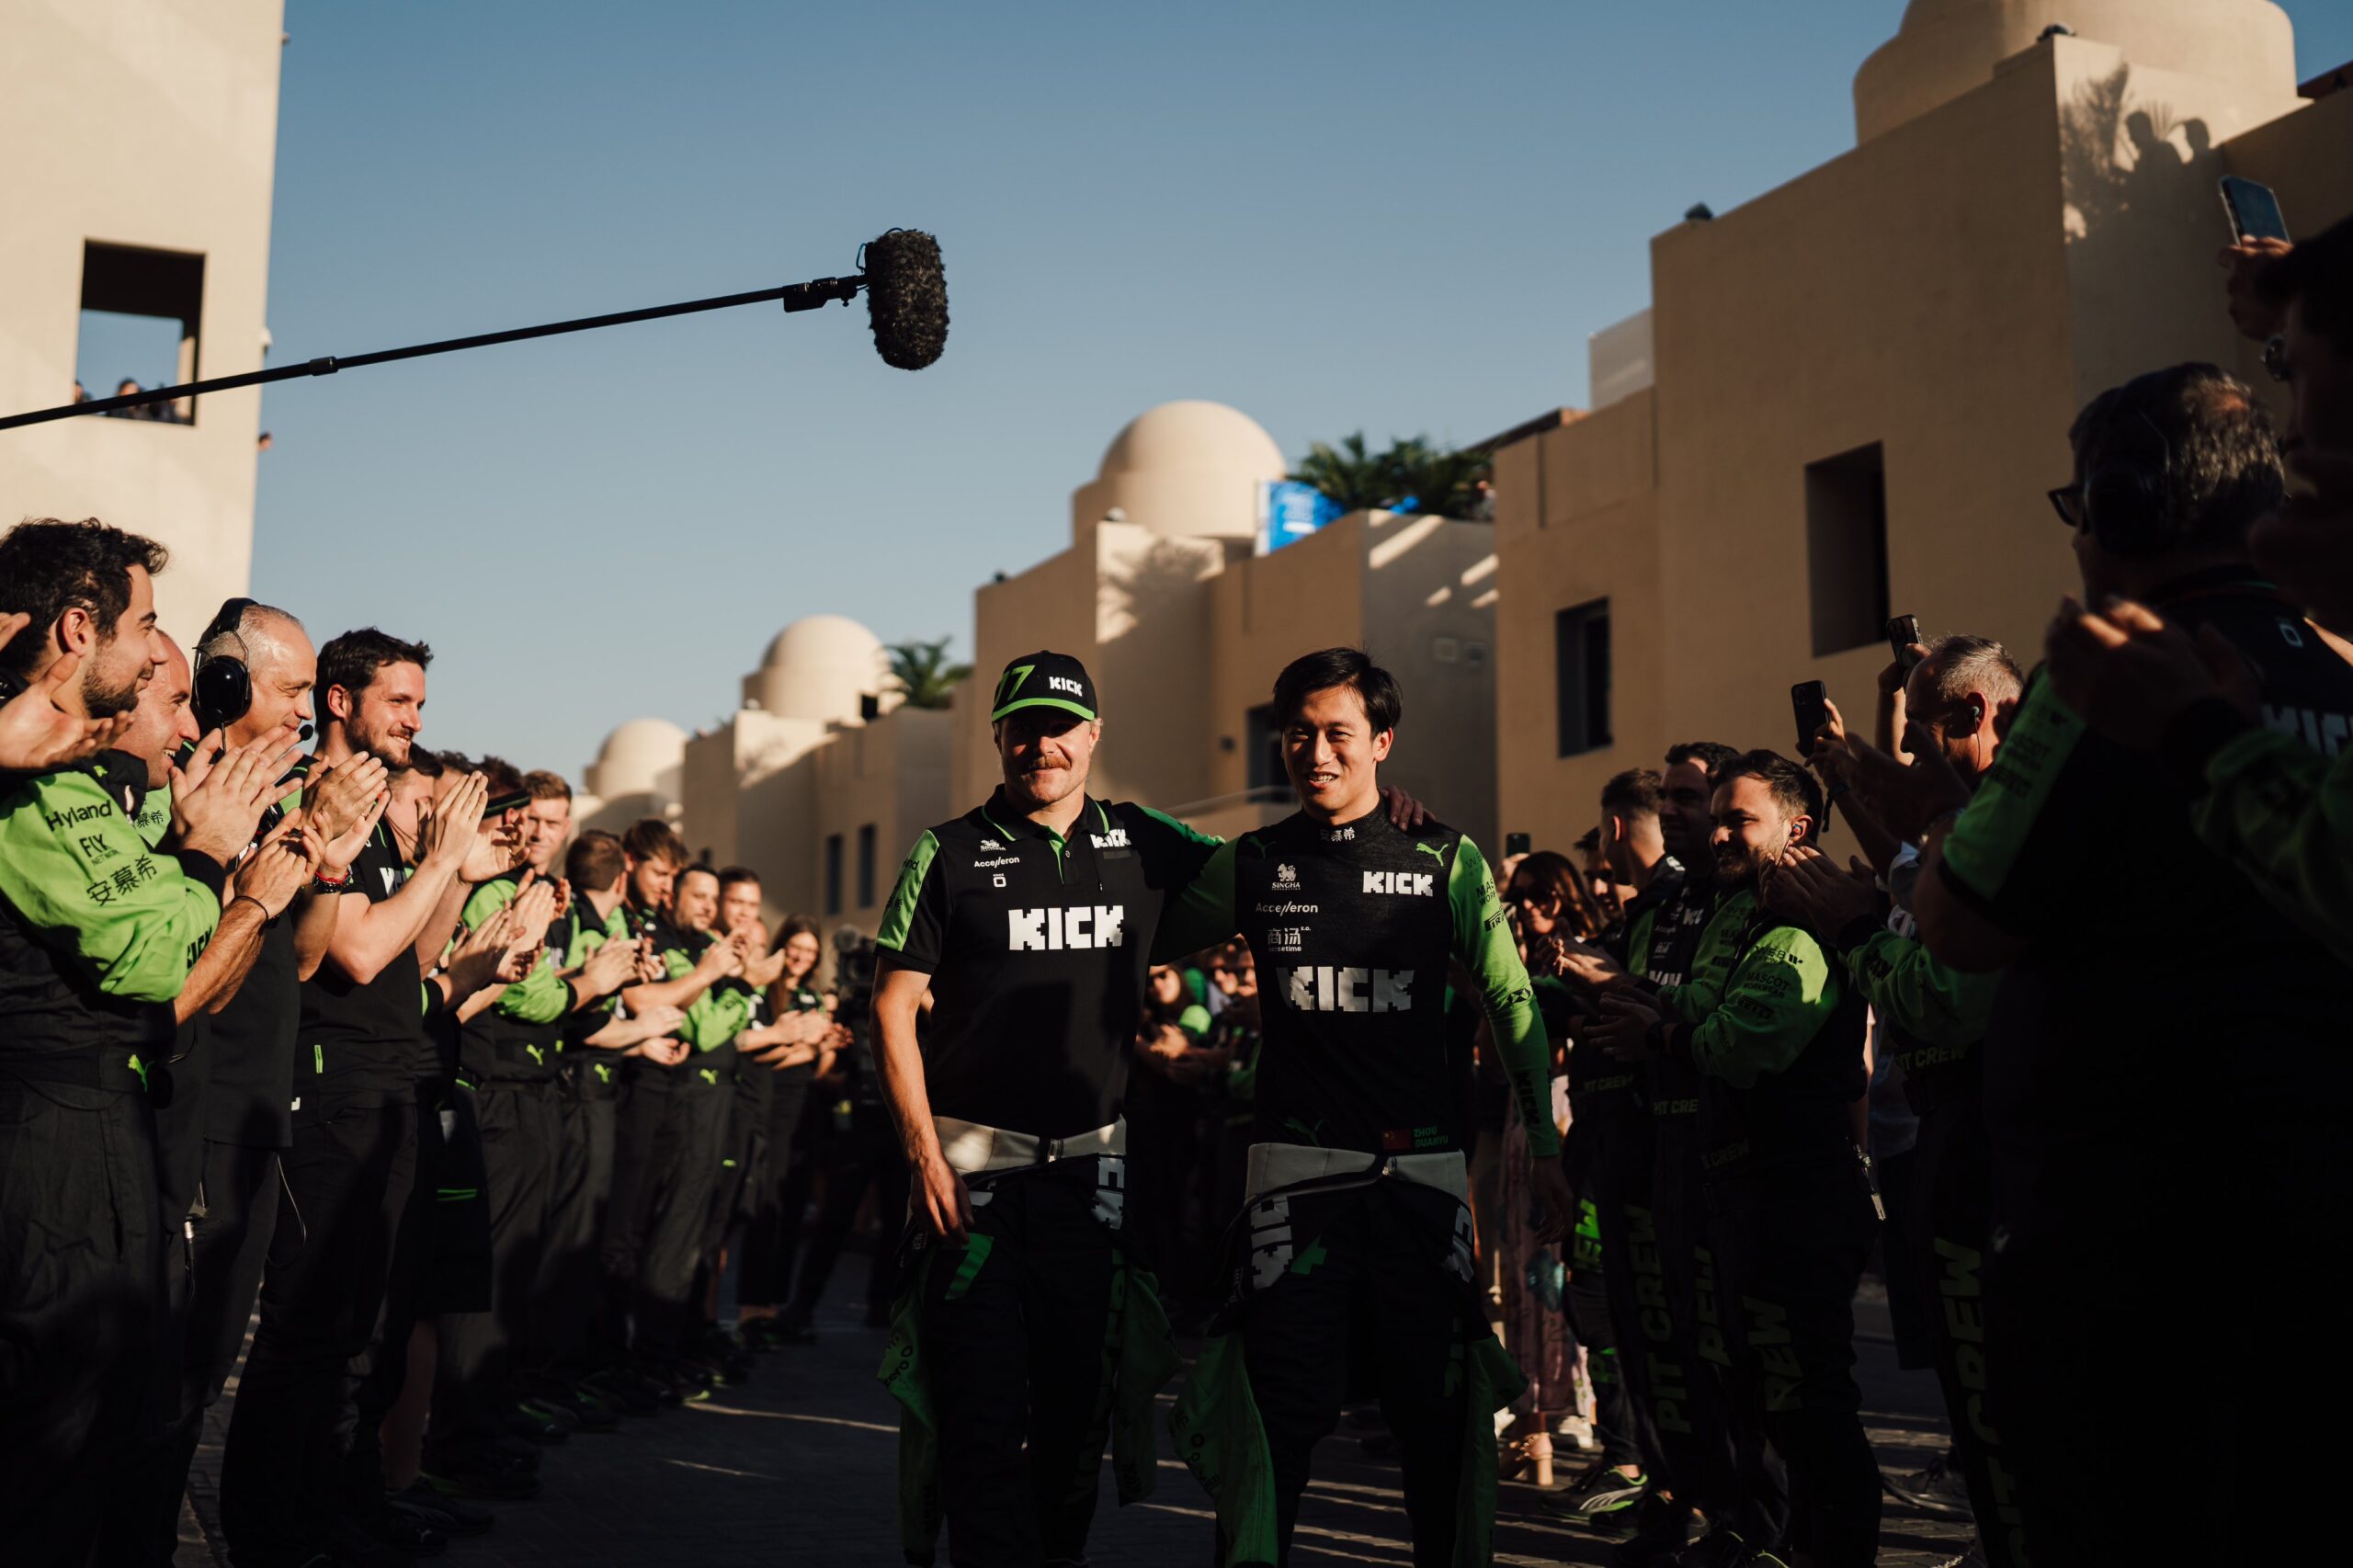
point(2150, 991)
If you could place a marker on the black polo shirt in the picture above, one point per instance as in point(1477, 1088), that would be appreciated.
point(1037, 946)
point(365, 1039)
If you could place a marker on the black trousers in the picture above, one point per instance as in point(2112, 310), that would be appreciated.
point(865, 1157)
point(82, 1300)
point(1798, 1241)
point(689, 1146)
point(232, 1214)
point(764, 1276)
point(743, 1147)
point(1376, 1313)
point(1613, 1414)
point(1616, 1170)
point(1951, 1220)
point(1016, 1352)
point(474, 1379)
point(294, 1454)
point(641, 1119)
point(580, 1185)
point(1736, 1478)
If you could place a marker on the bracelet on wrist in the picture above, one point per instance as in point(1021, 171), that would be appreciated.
point(248, 898)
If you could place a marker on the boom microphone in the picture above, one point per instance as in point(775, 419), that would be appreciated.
point(906, 298)
point(906, 304)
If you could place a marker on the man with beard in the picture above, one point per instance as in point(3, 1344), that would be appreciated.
point(1777, 1038)
point(98, 937)
point(301, 1472)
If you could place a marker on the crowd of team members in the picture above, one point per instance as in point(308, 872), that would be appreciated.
point(472, 1105)
point(476, 1106)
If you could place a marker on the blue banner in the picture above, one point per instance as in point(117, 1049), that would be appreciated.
point(1290, 511)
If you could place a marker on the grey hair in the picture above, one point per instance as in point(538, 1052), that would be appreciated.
point(257, 624)
point(1966, 665)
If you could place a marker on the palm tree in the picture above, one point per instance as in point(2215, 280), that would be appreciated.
point(924, 673)
point(1353, 478)
point(1414, 474)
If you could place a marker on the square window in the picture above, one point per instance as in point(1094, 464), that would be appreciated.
point(1846, 549)
point(142, 320)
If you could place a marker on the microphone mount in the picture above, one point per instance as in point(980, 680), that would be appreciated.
point(806, 296)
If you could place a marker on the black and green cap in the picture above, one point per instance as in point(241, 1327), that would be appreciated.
point(1044, 681)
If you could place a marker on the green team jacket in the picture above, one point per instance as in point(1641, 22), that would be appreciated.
point(105, 929)
point(540, 996)
point(2283, 814)
point(1933, 1003)
point(1753, 1005)
point(714, 1018)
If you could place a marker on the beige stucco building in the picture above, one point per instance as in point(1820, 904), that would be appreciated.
point(1184, 626)
point(143, 138)
point(1847, 396)
point(823, 779)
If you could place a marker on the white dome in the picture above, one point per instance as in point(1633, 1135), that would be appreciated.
point(634, 757)
point(1194, 435)
point(818, 668)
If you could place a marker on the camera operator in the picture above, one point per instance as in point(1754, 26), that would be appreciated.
point(2074, 867)
point(301, 1473)
point(1777, 1040)
point(99, 938)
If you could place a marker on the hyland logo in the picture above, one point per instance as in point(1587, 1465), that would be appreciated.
point(1325, 989)
point(1064, 683)
point(986, 845)
point(1285, 877)
point(1115, 840)
point(1404, 884)
point(1080, 925)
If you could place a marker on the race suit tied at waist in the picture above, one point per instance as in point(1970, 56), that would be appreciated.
point(972, 1148)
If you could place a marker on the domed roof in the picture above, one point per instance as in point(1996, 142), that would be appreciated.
point(1945, 48)
point(822, 640)
point(635, 755)
point(1197, 435)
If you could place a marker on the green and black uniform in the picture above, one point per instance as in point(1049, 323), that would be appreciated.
point(668, 1153)
point(1354, 1259)
point(300, 1445)
point(97, 934)
point(2275, 799)
point(764, 1279)
point(581, 1182)
point(1775, 1033)
point(1014, 1356)
point(509, 1055)
point(2163, 1002)
point(1934, 1017)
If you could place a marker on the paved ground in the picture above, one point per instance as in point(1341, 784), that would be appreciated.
point(797, 1466)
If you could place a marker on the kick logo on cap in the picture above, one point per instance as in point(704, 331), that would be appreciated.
point(1044, 681)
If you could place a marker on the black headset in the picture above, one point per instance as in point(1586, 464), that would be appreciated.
point(2128, 498)
point(222, 690)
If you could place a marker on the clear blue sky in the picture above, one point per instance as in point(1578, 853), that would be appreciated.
point(1399, 218)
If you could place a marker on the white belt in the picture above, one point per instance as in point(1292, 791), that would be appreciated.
point(1276, 1166)
point(972, 1148)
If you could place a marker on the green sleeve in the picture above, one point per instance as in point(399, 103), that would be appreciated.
point(77, 871)
point(1203, 915)
point(586, 938)
point(1782, 991)
point(1933, 1003)
point(540, 996)
point(1193, 1020)
point(1711, 960)
point(717, 1016)
point(1638, 940)
point(914, 921)
point(1483, 941)
point(2283, 814)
